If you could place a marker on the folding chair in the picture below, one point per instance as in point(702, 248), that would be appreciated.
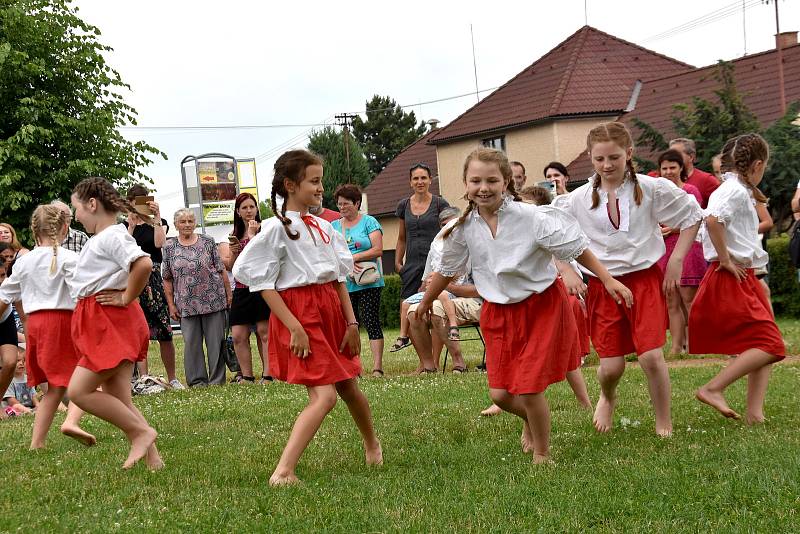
point(477, 328)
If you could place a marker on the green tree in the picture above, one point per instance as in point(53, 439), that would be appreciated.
point(783, 170)
point(330, 144)
point(387, 130)
point(265, 210)
point(60, 109)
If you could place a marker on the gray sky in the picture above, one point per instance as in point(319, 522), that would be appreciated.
point(209, 63)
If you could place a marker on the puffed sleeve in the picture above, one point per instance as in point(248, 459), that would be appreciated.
point(558, 232)
point(564, 202)
point(672, 206)
point(454, 257)
point(121, 247)
point(725, 201)
point(343, 255)
point(259, 263)
point(11, 290)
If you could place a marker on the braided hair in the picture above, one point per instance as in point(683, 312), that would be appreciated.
point(617, 133)
point(739, 154)
point(104, 193)
point(290, 166)
point(47, 221)
point(485, 155)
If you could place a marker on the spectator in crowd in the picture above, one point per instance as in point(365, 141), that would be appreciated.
point(19, 396)
point(7, 254)
point(75, 239)
point(9, 235)
point(518, 175)
point(246, 308)
point(198, 294)
point(672, 167)
point(706, 183)
point(556, 173)
point(324, 213)
point(419, 224)
point(151, 238)
point(716, 166)
point(364, 237)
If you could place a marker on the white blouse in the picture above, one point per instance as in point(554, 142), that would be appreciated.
point(272, 260)
point(637, 243)
point(105, 262)
point(33, 284)
point(518, 261)
point(732, 204)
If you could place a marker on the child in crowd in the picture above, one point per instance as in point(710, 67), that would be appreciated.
point(20, 398)
point(620, 212)
point(108, 326)
point(731, 314)
point(9, 340)
point(41, 282)
point(299, 265)
point(515, 274)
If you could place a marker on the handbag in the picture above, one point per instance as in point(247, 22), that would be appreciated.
point(226, 350)
point(369, 273)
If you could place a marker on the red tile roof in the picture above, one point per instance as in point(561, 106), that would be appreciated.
point(392, 183)
point(591, 72)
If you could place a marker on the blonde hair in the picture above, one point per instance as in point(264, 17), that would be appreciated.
point(617, 133)
point(47, 221)
point(739, 154)
point(485, 155)
point(14, 243)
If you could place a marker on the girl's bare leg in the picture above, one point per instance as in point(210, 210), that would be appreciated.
point(578, 385)
point(757, 383)
point(8, 358)
point(44, 416)
point(539, 423)
point(677, 322)
point(608, 375)
point(83, 392)
point(359, 409)
point(321, 400)
point(514, 404)
point(241, 345)
point(655, 369)
point(262, 336)
point(71, 426)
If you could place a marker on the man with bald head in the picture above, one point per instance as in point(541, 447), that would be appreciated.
point(75, 239)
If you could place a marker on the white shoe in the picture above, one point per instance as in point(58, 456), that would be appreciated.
point(176, 384)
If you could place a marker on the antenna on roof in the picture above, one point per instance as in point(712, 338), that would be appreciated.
point(585, 13)
point(474, 63)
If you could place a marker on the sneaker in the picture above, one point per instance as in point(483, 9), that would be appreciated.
point(176, 384)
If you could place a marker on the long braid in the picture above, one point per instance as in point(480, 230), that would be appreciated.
point(46, 221)
point(460, 221)
point(512, 190)
point(286, 222)
point(637, 189)
point(595, 194)
point(739, 154)
point(101, 190)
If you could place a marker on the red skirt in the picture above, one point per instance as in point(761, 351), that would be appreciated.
point(730, 317)
point(105, 336)
point(319, 311)
point(530, 344)
point(582, 322)
point(617, 330)
point(49, 353)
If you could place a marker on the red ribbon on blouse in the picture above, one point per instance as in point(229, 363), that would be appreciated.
point(311, 222)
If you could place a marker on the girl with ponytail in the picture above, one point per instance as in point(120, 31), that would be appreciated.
point(731, 313)
point(511, 246)
point(299, 265)
point(40, 282)
point(621, 213)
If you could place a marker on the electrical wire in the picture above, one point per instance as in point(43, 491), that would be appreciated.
point(708, 18)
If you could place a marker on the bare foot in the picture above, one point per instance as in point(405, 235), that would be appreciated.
point(586, 405)
point(153, 459)
point(540, 459)
point(139, 446)
point(526, 439)
point(374, 455)
point(604, 414)
point(664, 432)
point(36, 446)
point(79, 434)
point(288, 479)
point(754, 418)
point(716, 401)
point(492, 410)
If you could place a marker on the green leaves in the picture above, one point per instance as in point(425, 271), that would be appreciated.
point(330, 144)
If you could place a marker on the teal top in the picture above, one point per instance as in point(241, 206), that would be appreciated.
point(357, 238)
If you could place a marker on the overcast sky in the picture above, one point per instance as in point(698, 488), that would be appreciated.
point(210, 63)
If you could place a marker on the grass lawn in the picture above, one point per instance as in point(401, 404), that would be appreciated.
point(446, 468)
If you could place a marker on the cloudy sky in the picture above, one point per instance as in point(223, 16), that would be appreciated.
point(209, 63)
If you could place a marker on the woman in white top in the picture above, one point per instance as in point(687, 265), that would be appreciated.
point(299, 265)
point(108, 327)
point(40, 287)
point(731, 313)
point(514, 272)
point(620, 212)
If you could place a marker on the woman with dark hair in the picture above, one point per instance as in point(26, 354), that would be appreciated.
point(246, 308)
point(151, 237)
point(364, 237)
point(419, 224)
point(671, 166)
point(556, 173)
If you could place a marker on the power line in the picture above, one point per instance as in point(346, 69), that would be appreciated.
point(703, 20)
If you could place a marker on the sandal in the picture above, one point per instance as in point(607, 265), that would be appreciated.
point(265, 379)
point(241, 379)
point(400, 343)
point(459, 370)
point(425, 371)
point(377, 373)
point(453, 334)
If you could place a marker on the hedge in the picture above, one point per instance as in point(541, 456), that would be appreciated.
point(390, 301)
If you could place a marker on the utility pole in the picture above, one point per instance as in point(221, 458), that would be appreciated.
point(779, 46)
point(345, 120)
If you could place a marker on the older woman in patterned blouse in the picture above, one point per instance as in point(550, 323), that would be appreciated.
point(198, 293)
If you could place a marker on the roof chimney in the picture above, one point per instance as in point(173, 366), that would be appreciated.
point(434, 123)
point(785, 39)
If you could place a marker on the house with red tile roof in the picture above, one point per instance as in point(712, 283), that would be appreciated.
point(544, 112)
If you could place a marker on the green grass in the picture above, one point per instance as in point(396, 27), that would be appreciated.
point(446, 468)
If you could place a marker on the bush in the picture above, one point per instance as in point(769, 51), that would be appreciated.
point(390, 301)
point(783, 278)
